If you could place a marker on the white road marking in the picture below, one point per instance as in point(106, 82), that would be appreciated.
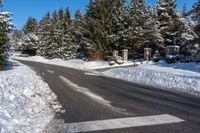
point(86, 92)
point(91, 74)
point(50, 71)
point(120, 123)
point(91, 95)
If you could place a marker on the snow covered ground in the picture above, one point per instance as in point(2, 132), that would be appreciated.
point(74, 63)
point(178, 77)
point(27, 105)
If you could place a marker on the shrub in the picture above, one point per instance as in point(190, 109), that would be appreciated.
point(172, 59)
point(2, 59)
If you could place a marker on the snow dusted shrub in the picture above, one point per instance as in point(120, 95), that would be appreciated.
point(1, 61)
point(197, 58)
point(186, 59)
point(179, 58)
point(172, 59)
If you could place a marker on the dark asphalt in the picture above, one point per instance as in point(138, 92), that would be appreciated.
point(137, 100)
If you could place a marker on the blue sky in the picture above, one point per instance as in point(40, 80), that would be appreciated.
point(22, 9)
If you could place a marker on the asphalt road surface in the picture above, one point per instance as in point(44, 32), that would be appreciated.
point(105, 103)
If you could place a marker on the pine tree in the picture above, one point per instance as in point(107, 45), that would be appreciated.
point(81, 35)
point(69, 45)
point(16, 40)
point(196, 18)
point(56, 37)
point(91, 32)
point(30, 26)
point(175, 29)
point(139, 29)
point(77, 33)
point(67, 17)
point(45, 34)
point(184, 12)
point(100, 32)
point(167, 17)
point(195, 13)
point(114, 37)
point(5, 27)
point(184, 36)
point(30, 38)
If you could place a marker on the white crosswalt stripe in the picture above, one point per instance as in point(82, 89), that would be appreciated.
point(120, 123)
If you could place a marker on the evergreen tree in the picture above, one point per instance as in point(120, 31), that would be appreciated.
point(56, 37)
point(5, 27)
point(185, 12)
point(196, 18)
point(55, 33)
point(184, 36)
point(93, 48)
point(195, 13)
point(77, 31)
point(139, 27)
point(167, 17)
point(81, 35)
point(69, 45)
point(16, 40)
point(174, 28)
point(99, 33)
point(114, 37)
point(30, 38)
point(30, 26)
point(67, 17)
point(45, 34)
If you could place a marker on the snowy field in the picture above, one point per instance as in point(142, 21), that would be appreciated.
point(178, 77)
point(27, 105)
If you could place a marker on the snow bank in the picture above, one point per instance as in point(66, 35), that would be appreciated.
point(104, 64)
point(73, 63)
point(27, 105)
point(178, 68)
point(160, 76)
point(32, 58)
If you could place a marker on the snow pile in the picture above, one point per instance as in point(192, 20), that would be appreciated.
point(73, 63)
point(26, 102)
point(160, 77)
point(35, 58)
point(104, 64)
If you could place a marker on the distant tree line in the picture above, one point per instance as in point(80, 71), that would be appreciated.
point(111, 25)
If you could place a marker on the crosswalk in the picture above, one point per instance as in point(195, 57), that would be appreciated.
point(121, 123)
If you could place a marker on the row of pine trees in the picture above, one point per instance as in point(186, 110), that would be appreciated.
point(111, 25)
